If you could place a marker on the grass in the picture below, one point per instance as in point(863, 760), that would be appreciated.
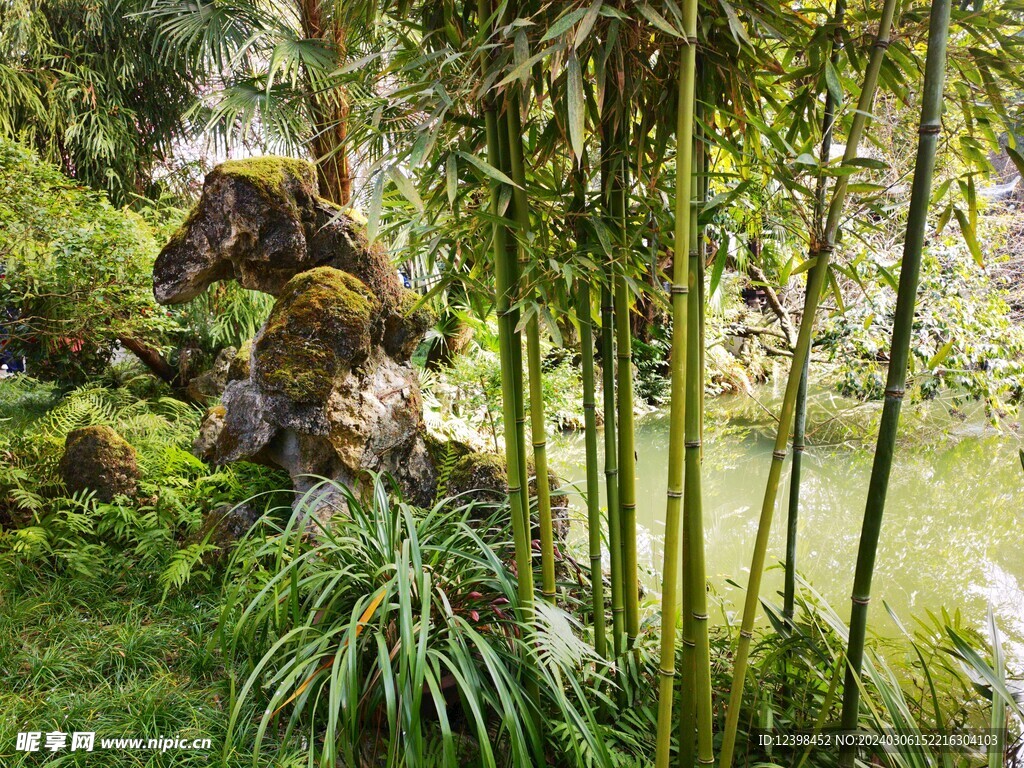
point(107, 656)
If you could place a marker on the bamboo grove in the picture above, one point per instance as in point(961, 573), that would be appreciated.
point(571, 161)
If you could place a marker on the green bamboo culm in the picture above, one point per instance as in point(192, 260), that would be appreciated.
point(693, 502)
point(800, 421)
point(611, 467)
point(679, 292)
point(815, 282)
point(538, 430)
point(624, 387)
point(608, 378)
point(899, 353)
point(585, 317)
point(506, 339)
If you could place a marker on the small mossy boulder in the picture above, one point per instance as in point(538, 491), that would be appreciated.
point(480, 476)
point(319, 327)
point(98, 459)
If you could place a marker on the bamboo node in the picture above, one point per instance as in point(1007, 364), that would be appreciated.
point(541, 444)
point(780, 455)
point(611, 472)
point(692, 444)
point(514, 489)
point(798, 448)
point(882, 43)
point(689, 643)
point(618, 610)
point(691, 40)
point(746, 633)
point(675, 494)
point(704, 761)
point(895, 393)
point(666, 672)
point(930, 129)
point(826, 248)
point(860, 600)
point(699, 616)
point(679, 290)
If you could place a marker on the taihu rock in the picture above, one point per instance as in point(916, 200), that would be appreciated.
point(325, 388)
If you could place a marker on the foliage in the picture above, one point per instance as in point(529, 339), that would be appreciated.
point(77, 278)
point(83, 84)
point(388, 636)
point(964, 341)
point(167, 528)
point(77, 271)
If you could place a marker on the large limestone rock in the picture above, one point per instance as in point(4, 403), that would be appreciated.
point(325, 389)
point(98, 459)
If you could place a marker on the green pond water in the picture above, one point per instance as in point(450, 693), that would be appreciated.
point(953, 534)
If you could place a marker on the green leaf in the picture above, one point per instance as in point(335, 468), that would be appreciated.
point(835, 87)
point(1017, 158)
point(658, 20)
point(576, 103)
point(451, 173)
point(487, 169)
point(587, 24)
point(970, 237)
point(941, 355)
point(564, 23)
point(405, 187)
point(373, 215)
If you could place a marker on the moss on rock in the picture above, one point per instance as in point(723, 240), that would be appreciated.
point(98, 459)
point(241, 364)
point(319, 326)
point(481, 476)
point(273, 175)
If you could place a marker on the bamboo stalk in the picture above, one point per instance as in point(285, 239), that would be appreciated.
point(693, 503)
point(624, 390)
point(611, 467)
point(800, 353)
point(538, 429)
point(800, 421)
point(677, 407)
point(593, 480)
point(899, 353)
point(608, 377)
point(503, 290)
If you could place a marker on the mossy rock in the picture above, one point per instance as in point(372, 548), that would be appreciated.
point(241, 364)
point(274, 176)
point(98, 459)
point(480, 476)
point(404, 330)
point(319, 327)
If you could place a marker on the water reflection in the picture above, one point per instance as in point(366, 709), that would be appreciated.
point(952, 535)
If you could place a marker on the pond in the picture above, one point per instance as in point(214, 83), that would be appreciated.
point(953, 534)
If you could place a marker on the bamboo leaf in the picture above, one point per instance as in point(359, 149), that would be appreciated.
point(451, 172)
point(942, 354)
point(658, 20)
point(1017, 158)
point(373, 215)
point(405, 187)
point(486, 168)
point(835, 87)
point(970, 237)
point(587, 24)
point(563, 24)
point(576, 103)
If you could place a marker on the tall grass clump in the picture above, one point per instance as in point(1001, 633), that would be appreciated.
point(385, 634)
